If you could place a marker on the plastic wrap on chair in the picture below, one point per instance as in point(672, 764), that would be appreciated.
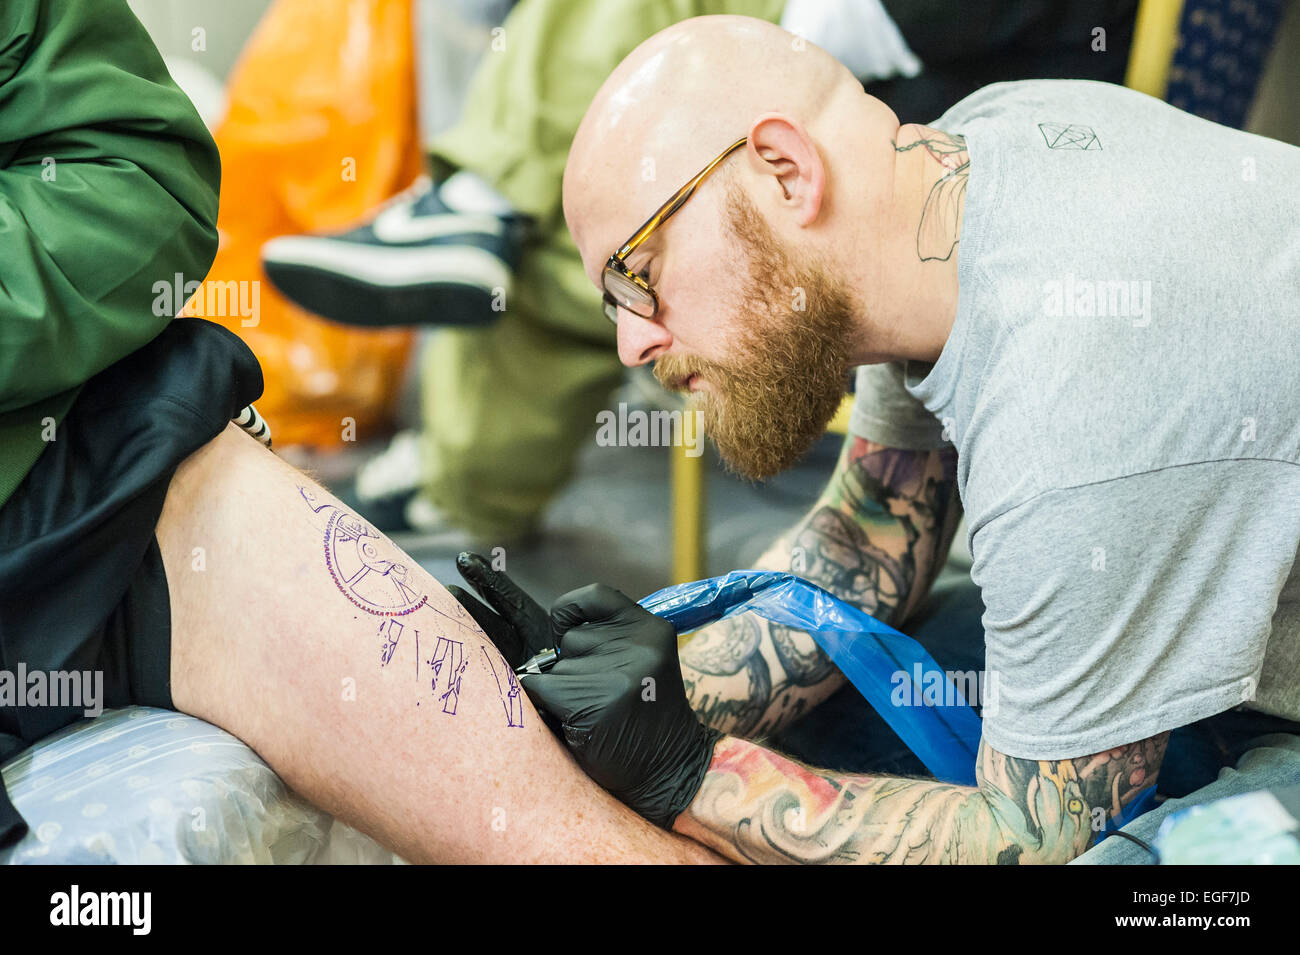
point(141, 785)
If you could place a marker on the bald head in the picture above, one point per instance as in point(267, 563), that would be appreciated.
point(796, 260)
point(677, 101)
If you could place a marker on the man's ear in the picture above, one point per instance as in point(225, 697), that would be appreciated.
point(781, 148)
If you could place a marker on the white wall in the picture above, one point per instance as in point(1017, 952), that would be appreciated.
point(226, 24)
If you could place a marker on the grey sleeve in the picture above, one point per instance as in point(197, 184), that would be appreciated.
point(884, 411)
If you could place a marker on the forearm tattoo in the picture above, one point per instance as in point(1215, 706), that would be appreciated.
point(876, 538)
point(758, 806)
point(940, 226)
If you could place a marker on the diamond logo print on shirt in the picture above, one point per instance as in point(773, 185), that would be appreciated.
point(1069, 136)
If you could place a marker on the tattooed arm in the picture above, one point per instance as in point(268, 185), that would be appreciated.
point(758, 806)
point(877, 538)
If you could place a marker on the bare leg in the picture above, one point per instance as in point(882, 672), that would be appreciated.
point(360, 680)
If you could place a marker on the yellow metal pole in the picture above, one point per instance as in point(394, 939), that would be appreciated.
point(1155, 37)
point(840, 423)
point(688, 507)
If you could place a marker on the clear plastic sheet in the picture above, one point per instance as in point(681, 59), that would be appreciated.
point(141, 785)
point(1256, 828)
point(876, 658)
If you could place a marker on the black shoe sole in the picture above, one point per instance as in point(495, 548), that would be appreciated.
point(353, 302)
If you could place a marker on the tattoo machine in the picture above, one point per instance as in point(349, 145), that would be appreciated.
point(538, 663)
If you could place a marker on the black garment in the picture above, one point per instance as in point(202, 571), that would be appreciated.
point(968, 45)
point(82, 586)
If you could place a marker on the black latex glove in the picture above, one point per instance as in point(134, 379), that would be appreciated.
point(638, 739)
point(516, 624)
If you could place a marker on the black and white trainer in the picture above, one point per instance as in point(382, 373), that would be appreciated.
point(432, 255)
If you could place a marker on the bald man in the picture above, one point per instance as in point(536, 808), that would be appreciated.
point(1075, 312)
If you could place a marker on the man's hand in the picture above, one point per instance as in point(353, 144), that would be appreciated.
point(617, 692)
point(516, 624)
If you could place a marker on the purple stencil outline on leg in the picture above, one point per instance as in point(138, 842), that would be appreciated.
point(460, 618)
point(391, 631)
point(448, 655)
point(510, 695)
point(366, 567)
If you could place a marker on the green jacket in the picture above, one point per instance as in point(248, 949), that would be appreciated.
point(108, 185)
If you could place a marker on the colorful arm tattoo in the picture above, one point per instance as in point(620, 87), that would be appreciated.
point(877, 538)
point(758, 806)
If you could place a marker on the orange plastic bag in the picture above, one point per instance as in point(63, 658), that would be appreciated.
point(321, 129)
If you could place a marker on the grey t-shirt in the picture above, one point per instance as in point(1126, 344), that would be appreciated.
point(1122, 384)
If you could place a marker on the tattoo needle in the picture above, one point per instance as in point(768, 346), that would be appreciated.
point(539, 663)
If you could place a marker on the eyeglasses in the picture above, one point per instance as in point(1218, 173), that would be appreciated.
point(623, 287)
